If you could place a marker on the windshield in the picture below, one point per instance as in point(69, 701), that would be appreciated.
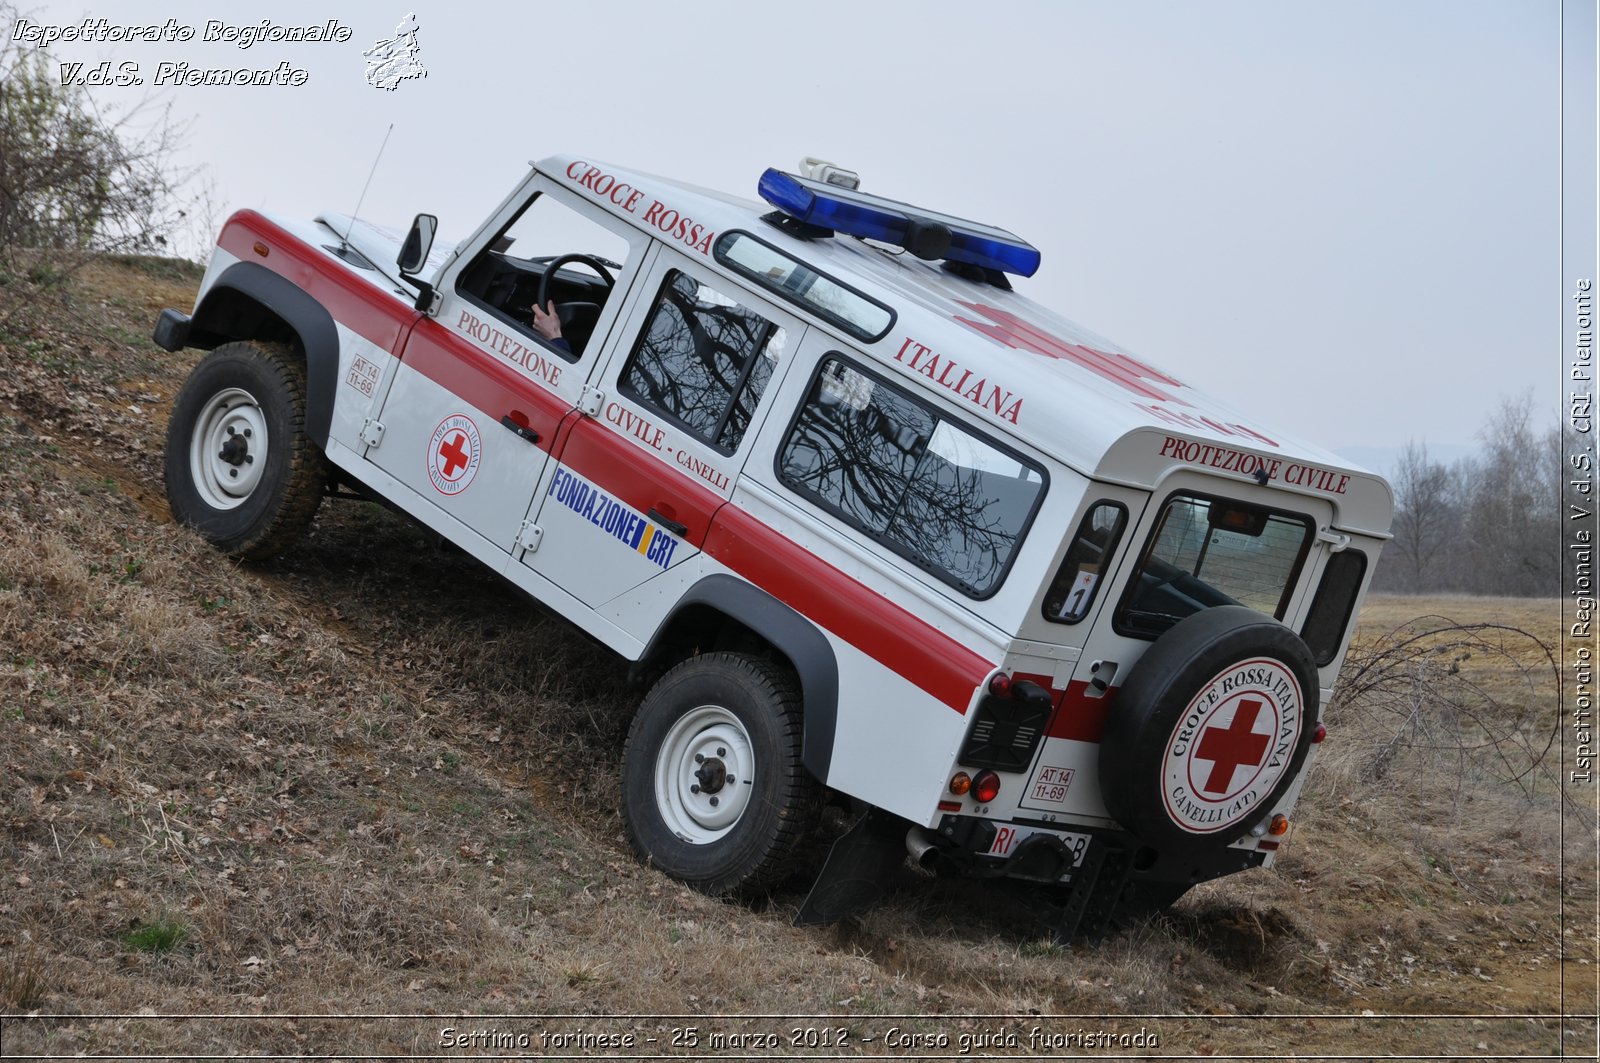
point(1206, 552)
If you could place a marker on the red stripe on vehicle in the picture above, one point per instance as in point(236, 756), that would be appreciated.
point(907, 645)
point(640, 478)
point(479, 378)
point(1078, 716)
point(360, 306)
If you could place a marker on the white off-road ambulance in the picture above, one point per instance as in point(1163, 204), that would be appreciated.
point(876, 529)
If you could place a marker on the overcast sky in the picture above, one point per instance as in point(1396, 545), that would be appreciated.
point(1341, 217)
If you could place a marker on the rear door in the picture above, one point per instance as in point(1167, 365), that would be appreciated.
point(666, 431)
point(1203, 542)
point(1064, 647)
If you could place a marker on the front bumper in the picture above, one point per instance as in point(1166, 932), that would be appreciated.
point(172, 331)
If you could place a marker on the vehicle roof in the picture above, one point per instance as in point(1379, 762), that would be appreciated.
point(1021, 367)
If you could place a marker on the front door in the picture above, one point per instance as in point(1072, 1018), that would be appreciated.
point(479, 393)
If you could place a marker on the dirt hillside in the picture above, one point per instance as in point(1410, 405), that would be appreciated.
point(369, 779)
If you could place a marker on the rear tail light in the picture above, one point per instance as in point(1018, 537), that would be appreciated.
point(986, 787)
point(1011, 720)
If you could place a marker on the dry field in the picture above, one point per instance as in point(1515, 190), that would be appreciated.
point(370, 780)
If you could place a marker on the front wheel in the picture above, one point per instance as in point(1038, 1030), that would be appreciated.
point(239, 467)
point(713, 788)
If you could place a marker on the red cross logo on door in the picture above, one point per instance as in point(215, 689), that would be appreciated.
point(453, 454)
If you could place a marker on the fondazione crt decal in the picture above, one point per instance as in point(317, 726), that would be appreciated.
point(614, 518)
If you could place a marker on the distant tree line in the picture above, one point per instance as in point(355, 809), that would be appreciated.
point(1489, 524)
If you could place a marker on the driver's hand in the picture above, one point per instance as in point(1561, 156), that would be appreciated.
point(545, 321)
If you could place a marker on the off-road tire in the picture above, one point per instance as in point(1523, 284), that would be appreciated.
point(246, 388)
point(749, 708)
point(1145, 749)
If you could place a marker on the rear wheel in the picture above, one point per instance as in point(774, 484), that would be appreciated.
point(713, 788)
point(239, 467)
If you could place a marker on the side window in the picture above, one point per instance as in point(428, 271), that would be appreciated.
point(1335, 601)
point(703, 360)
point(506, 278)
point(935, 493)
point(1073, 590)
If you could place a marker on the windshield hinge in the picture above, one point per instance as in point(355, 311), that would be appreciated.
point(1336, 540)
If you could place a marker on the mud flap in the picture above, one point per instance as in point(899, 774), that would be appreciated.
point(1094, 895)
point(857, 870)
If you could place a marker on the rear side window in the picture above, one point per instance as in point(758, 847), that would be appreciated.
point(703, 360)
point(1206, 552)
point(1335, 601)
point(1078, 579)
point(951, 501)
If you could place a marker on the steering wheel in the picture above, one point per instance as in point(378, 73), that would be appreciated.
point(556, 263)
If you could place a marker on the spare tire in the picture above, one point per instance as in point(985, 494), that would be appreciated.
point(1210, 730)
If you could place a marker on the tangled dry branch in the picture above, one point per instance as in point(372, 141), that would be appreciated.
point(1475, 694)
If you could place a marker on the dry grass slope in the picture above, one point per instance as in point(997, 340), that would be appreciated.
point(369, 778)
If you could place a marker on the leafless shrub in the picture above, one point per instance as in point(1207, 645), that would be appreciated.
point(1411, 695)
point(78, 176)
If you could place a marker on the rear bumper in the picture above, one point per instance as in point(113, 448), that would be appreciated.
point(172, 331)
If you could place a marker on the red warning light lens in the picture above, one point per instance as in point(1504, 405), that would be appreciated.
point(1319, 734)
point(986, 787)
point(1000, 685)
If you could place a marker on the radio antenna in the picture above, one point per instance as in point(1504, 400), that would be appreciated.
point(368, 185)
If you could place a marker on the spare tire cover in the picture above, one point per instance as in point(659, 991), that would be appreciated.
point(1209, 731)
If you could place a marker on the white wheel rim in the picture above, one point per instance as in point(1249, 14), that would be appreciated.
point(705, 774)
point(228, 450)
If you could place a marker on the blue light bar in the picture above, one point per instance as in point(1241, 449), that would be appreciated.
point(875, 218)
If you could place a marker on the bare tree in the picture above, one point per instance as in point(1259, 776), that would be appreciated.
point(1512, 511)
point(1425, 516)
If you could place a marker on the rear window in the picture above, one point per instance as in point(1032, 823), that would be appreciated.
point(1206, 552)
point(898, 470)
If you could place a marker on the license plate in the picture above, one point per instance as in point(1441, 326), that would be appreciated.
point(1007, 839)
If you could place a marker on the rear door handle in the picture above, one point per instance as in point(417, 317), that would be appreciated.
point(680, 530)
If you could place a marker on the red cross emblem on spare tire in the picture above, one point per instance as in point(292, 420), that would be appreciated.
point(1210, 730)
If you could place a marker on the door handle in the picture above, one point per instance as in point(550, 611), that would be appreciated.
point(676, 528)
point(521, 429)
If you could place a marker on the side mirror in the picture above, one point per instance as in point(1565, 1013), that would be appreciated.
point(419, 241)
